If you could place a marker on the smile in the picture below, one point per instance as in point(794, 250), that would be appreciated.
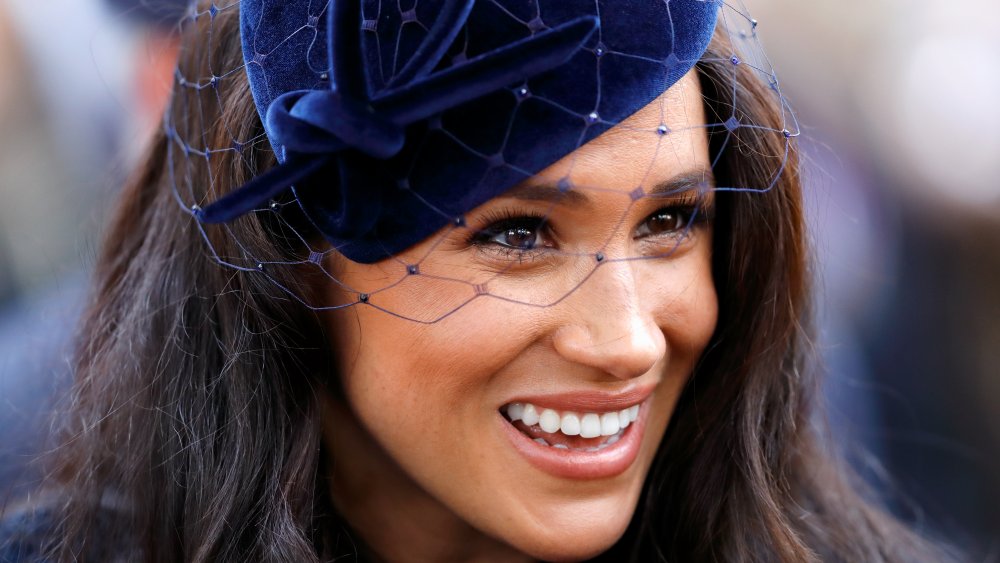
point(569, 429)
point(574, 442)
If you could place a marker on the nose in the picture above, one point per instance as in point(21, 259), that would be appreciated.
point(607, 325)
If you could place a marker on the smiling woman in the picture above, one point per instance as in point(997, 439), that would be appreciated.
point(528, 281)
point(534, 425)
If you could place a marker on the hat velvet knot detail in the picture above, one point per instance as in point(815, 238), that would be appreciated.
point(389, 123)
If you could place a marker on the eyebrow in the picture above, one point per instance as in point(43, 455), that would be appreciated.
point(683, 182)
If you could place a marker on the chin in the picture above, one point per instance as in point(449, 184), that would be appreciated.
point(572, 530)
point(574, 545)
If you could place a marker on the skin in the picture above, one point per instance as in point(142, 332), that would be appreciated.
point(420, 466)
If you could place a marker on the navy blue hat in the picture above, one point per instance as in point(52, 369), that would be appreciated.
point(389, 125)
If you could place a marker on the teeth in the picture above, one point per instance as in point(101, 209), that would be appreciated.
point(570, 424)
point(609, 424)
point(530, 415)
point(585, 425)
point(590, 425)
point(549, 421)
point(609, 441)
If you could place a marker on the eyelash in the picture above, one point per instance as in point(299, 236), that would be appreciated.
point(502, 221)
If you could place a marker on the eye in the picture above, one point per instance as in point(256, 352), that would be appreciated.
point(669, 220)
point(515, 233)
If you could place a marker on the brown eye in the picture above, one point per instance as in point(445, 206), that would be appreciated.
point(518, 237)
point(669, 220)
point(519, 233)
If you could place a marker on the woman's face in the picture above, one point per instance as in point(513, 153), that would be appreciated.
point(449, 413)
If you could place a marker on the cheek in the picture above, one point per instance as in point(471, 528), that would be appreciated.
point(402, 377)
point(685, 305)
point(693, 317)
point(687, 309)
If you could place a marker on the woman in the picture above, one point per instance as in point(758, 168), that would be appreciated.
point(599, 349)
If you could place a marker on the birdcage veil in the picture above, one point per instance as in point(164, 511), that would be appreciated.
point(387, 122)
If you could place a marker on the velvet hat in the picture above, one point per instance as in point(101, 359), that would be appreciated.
point(390, 120)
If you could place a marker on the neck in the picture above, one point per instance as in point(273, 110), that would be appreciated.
point(395, 517)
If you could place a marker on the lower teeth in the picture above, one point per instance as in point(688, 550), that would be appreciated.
point(611, 440)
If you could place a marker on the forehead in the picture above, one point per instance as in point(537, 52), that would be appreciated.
point(665, 138)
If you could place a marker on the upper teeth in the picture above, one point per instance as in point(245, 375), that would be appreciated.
point(586, 425)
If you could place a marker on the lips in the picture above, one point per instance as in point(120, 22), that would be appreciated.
point(565, 440)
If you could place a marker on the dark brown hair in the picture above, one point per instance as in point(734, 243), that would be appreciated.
point(195, 399)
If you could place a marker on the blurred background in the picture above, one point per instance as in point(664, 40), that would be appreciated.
point(901, 129)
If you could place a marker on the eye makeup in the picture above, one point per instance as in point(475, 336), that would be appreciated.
point(515, 233)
